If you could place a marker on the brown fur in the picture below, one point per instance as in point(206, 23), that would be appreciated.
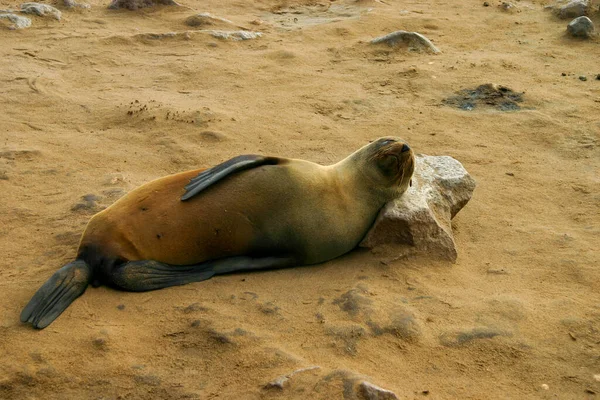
point(247, 213)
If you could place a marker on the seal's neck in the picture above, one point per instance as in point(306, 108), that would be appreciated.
point(354, 171)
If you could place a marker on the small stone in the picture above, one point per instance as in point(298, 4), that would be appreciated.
point(18, 21)
point(598, 77)
point(135, 4)
point(41, 10)
point(100, 343)
point(73, 4)
point(121, 307)
point(206, 19)
point(583, 78)
point(507, 6)
point(281, 381)
point(564, 74)
point(597, 377)
point(545, 387)
point(373, 392)
point(573, 9)
point(581, 27)
point(486, 4)
point(412, 40)
point(236, 35)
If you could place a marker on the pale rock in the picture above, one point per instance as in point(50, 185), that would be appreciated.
point(422, 216)
point(74, 4)
point(581, 27)
point(508, 6)
point(374, 392)
point(41, 10)
point(412, 40)
point(18, 21)
point(573, 9)
point(206, 19)
point(236, 35)
point(282, 381)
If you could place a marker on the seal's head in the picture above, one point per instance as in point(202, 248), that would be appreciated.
point(389, 164)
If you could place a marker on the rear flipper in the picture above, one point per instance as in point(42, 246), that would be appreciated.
point(67, 284)
point(143, 275)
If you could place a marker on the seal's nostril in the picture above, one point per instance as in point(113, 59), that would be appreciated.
point(404, 148)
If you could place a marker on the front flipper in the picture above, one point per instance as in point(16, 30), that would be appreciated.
point(144, 275)
point(67, 284)
point(218, 172)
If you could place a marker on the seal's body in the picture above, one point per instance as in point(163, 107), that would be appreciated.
point(249, 213)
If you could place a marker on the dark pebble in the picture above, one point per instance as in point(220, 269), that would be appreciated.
point(100, 343)
point(121, 306)
point(486, 4)
point(583, 78)
point(564, 74)
point(598, 77)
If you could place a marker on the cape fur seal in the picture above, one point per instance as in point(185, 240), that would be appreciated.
point(248, 213)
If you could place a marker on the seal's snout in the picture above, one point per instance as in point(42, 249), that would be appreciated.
point(405, 148)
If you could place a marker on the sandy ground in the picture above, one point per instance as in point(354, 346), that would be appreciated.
point(93, 106)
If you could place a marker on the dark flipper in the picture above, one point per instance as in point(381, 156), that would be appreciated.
point(67, 284)
point(217, 173)
point(143, 275)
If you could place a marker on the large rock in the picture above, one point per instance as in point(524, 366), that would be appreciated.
point(412, 40)
point(18, 22)
point(41, 10)
point(369, 391)
point(421, 217)
point(573, 9)
point(582, 27)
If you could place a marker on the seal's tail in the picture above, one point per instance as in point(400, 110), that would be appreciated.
point(67, 284)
